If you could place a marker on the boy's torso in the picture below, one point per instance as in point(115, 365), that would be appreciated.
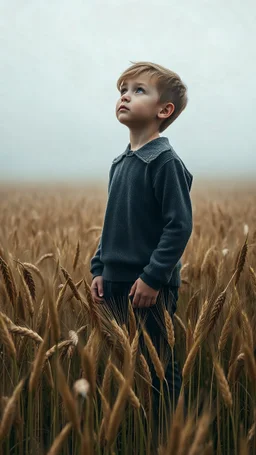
point(133, 220)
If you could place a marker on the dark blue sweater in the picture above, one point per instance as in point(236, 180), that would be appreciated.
point(148, 218)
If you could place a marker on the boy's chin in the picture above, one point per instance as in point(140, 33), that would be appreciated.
point(123, 120)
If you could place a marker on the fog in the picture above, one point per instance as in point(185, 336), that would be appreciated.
point(59, 63)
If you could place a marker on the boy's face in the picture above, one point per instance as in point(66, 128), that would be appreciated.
point(141, 97)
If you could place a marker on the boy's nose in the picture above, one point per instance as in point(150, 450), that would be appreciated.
point(124, 97)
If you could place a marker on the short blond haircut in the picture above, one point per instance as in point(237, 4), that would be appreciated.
point(168, 83)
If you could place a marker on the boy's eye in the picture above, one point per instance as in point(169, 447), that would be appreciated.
point(138, 88)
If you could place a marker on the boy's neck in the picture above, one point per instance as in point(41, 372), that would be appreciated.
point(138, 138)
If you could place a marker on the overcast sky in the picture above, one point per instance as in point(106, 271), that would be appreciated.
point(59, 63)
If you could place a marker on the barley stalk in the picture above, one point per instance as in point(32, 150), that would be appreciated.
point(180, 322)
point(191, 304)
point(60, 439)
point(88, 368)
point(135, 402)
point(117, 412)
point(253, 278)
point(201, 435)
point(250, 362)
point(38, 364)
point(107, 380)
point(45, 256)
point(67, 397)
point(9, 411)
point(226, 328)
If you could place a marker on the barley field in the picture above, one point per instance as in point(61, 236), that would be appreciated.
point(73, 381)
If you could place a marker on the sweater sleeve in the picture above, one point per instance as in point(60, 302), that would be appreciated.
point(96, 264)
point(96, 267)
point(171, 186)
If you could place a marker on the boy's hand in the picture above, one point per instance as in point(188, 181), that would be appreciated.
point(144, 295)
point(97, 289)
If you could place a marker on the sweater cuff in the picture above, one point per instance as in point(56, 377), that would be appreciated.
point(97, 272)
point(152, 282)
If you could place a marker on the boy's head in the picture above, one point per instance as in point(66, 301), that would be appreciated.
point(161, 99)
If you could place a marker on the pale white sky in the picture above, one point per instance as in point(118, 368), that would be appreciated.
point(59, 63)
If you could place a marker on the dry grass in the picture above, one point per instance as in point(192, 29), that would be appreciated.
point(78, 382)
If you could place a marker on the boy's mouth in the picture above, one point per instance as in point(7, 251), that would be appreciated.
point(123, 107)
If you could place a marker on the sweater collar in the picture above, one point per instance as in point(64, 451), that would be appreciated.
point(149, 151)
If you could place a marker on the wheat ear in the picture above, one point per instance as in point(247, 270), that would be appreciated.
point(200, 325)
point(76, 256)
point(132, 322)
point(169, 328)
point(28, 297)
point(223, 384)
point(60, 297)
point(35, 270)
point(7, 339)
point(190, 360)
point(154, 356)
point(241, 260)
point(71, 283)
point(9, 284)
point(54, 319)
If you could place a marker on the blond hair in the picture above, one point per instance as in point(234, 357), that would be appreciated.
point(168, 83)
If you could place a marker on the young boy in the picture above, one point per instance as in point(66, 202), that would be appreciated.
point(148, 218)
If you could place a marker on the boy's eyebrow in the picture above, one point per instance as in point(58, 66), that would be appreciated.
point(135, 82)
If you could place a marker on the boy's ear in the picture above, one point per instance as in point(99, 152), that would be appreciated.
point(167, 110)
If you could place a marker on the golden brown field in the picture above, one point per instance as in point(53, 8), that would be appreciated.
point(71, 379)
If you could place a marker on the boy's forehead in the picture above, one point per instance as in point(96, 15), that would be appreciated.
point(146, 79)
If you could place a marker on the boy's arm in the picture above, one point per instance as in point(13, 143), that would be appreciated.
point(171, 186)
point(97, 265)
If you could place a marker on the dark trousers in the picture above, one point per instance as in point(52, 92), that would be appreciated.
point(116, 297)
